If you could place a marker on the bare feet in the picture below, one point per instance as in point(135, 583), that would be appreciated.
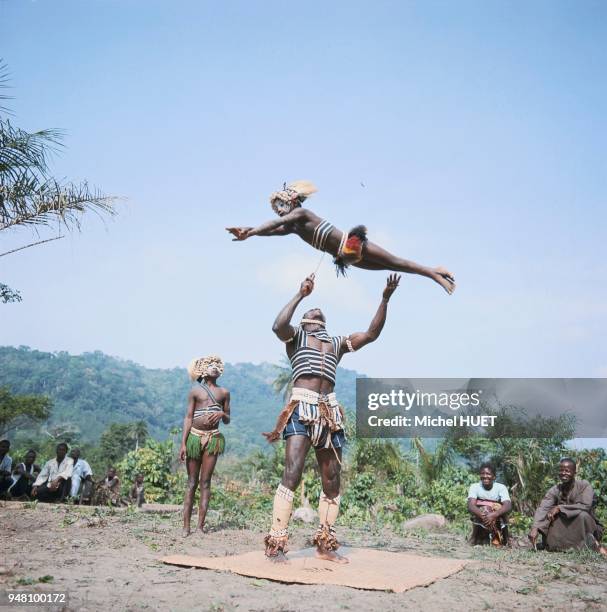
point(279, 558)
point(445, 279)
point(186, 532)
point(331, 555)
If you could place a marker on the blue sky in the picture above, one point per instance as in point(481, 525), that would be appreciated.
point(477, 129)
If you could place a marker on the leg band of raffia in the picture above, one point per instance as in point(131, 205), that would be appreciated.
point(276, 540)
point(328, 509)
point(324, 538)
point(275, 544)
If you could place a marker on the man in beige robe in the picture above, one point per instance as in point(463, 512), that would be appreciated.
point(565, 517)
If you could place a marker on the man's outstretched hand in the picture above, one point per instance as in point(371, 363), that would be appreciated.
point(391, 285)
point(240, 233)
point(307, 286)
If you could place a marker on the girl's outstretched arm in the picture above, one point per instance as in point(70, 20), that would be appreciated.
point(269, 227)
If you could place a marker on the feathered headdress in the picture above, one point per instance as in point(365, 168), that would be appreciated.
point(294, 193)
point(200, 366)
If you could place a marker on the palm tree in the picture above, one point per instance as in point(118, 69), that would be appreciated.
point(29, 194)
point(431, 465)
point(283, 384)
point(138, 432)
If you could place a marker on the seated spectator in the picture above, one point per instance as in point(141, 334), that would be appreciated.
point(137, 493)
point(6, 465)
point(54, 479)
point(81, 472)
point(108, 491)
point(565, 517)
point(489, 503)
point(24, 476)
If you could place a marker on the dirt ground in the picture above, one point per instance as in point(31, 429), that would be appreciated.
point(109, 560)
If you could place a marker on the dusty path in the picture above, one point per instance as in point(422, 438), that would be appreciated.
point(111, 562)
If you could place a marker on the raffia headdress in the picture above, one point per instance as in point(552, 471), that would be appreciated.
point(200, 366)
point(293, 193)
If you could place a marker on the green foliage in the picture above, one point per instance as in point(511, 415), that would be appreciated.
point(383, 458)
point(592, 466)
point(120, 438)
point(432, 465)
point(19, 410)
point(447, 495)
point(92, 391)
point(155, 462)
point(283, 384)
point(361, 491)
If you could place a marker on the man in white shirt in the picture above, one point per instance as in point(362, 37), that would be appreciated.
point(6, 465)
point(51, 482)
point(489, 504)
point(81, 471)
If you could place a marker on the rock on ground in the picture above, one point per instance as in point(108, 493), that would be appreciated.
point(426, 521)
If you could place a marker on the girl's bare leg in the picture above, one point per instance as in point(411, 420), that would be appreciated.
point(206, 472)
point(193, 468)
point(374, 255)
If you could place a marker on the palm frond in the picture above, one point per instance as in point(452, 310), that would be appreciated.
point(28, 202)
point(29, 194)
point(21, 150)
point(283, 384)
point(4, 78)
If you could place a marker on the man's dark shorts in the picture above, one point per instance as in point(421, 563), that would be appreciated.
point(295, 428)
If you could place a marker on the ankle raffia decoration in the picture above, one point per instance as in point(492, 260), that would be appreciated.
point(275, 543)
point(325, 538)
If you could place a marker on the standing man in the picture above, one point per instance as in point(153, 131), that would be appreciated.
point(81, 472)
point(51, 482)
point(312, 417)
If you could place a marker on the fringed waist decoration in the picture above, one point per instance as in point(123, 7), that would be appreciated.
point(350, 249)
point(312, 397)
point(316, 409)
point(203, 432)
point(199, 439)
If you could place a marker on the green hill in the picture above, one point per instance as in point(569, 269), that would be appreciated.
point(92, 390)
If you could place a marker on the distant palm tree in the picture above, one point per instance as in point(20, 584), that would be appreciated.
point(283, 384)
point(383, 456)
point(431, 465)
point(138, 432)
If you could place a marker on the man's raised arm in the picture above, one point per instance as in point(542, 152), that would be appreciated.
point(359, 339)
point(282, 325)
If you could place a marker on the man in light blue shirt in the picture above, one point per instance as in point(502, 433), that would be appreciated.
point(488, 503)
point(81, 471)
